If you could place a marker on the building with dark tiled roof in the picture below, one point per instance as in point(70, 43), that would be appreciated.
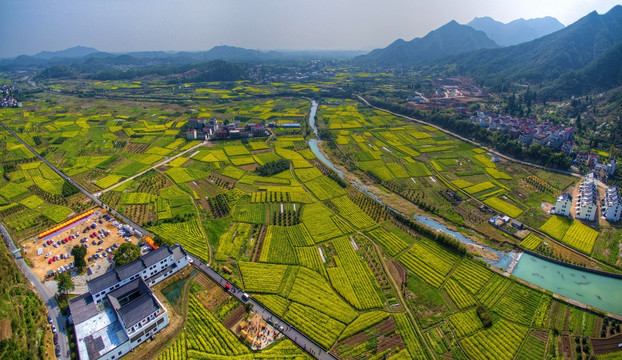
point(120, 312)
point(152, 268)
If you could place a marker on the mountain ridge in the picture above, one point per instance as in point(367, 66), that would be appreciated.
point(516, 31)
point(548, 57)
point(449, 39)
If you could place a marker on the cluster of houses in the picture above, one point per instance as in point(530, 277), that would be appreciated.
point(528, 131)
point(586, 205)
point(203, 129)
point(591, 161)
point(6, 98)
point(120, 311)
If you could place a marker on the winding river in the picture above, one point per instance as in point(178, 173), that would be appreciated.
point(600, 291)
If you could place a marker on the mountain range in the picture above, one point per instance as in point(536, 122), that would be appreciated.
point(81, 54)
point(450, 39)
point(517, 31)
point(549, 57)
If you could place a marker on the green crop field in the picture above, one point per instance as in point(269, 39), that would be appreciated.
point(458, 294)
point(503, 207)
point(471, 275)
point(108, 181)
point(479, 187)
point(391, 242)
point(531, 242)
point(501, 341)
point(321, 255)
point(580, 237)
point(324, 188)
point(348, 210)
point(317, 220)
point(465, 323)
point(498, 174)
point(556, 227)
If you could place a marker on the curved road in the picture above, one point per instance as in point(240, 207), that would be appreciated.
point(292, 333)
point(46, 295)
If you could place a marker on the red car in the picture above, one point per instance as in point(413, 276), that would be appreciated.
point(49, 261)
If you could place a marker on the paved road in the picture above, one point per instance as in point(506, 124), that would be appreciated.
point(46, 295)
point(77, 185)
point(291, 332)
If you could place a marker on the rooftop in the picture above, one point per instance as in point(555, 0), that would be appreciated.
point(123, 272)
point(99, 334)
point(82, 308)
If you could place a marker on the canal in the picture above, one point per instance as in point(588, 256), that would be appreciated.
point(600, 291)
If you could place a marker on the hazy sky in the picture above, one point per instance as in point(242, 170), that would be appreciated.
point(30, 26)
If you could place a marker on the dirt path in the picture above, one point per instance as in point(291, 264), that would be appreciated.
point(163, 162)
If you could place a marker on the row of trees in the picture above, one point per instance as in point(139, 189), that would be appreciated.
point(273, 167)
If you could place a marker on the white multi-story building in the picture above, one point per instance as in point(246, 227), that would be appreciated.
point(563, 205)
point(120, 311)
point(612, 204)
point(587, 202)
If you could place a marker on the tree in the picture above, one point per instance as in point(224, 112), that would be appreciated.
point(79, 252)
point(126, 253)
point(65, 284)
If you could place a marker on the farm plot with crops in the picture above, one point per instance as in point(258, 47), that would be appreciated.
point(556, 227)
point(360, 277)
point(392, 243)
point(465, 323)
point(503, 207)
point(531, 242)
point(501, 341)
point(580, 237)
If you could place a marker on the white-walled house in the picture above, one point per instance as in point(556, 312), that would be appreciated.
point(587, 202)
point(563, 205)
point(120, 311)
point(612, 204)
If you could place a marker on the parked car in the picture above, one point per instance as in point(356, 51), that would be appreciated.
point(50, 319)
point(50, 261)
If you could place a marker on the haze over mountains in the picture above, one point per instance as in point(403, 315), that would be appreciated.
point(517, 31)
point(576, 59)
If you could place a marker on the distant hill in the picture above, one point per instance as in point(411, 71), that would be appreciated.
point(74, 52)
point(517, 31)
point(548, 57)
point(450, 39)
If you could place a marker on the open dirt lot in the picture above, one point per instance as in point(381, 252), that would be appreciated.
point(41, 263)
